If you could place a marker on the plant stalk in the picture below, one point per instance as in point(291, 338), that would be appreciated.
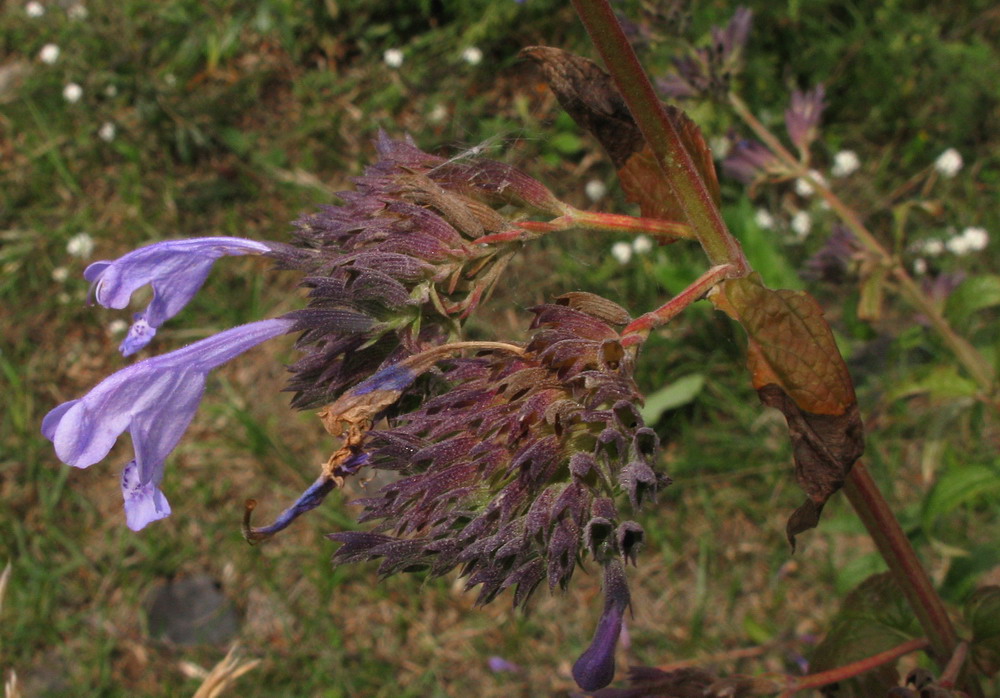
point(679, 171)
point(841, 673)
point(892, 543)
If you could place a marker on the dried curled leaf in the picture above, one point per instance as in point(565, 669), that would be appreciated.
point(796, 367)
point(589, 95)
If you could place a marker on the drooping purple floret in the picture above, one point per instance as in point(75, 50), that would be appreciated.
point(155, 401)
point(596, 666)
point(803, 115)
point(176, 270)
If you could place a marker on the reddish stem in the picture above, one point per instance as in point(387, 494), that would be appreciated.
point(678, 169)
point(639, 329)
point(847, 671)
point(895, 548)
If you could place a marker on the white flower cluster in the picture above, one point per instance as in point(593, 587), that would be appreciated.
point(49, 54)
point(595, 190)
point(971, 239)
point(472, 55)
point(948, 163)
point(845, 163)
point(622, 251)
point(804, 187)
point(393, 58)
point(80, 245)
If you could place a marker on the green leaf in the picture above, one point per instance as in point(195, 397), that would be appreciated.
point(955, 487)
point(940, 383)
point(982, 613)
point(873, 618)
point(972, 295)
point(680, 392)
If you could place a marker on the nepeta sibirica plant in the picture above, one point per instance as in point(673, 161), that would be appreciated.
point(516, 461)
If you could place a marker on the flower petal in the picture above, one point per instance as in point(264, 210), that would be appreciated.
point(155, 400)
point(176, 269)
point(144, 503)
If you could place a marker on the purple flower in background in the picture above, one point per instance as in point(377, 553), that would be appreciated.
point(176, 269)
point(499, 665)
point(707, 72)
point(803, 115)
point(748, 160)
point(154, 400)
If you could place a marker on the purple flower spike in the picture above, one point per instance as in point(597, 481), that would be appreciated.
point(154, 400)
point(802, 116)
point(176, 269)
point(596, 666)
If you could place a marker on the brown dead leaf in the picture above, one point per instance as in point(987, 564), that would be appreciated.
point(795, 366)
point(589, 95)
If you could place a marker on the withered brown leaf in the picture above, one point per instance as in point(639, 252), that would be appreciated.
point(796, 367)
point(589, 95)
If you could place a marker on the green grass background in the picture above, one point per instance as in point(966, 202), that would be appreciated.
point(233, 117)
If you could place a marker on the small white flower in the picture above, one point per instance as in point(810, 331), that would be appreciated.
point(976, 237)
point(958, 245)
point(919, 266)
point(803, 187)
point(49, 54)
point(77, 11)
point(72, 93)
point(116, 327)
point(642, 244)
point(801, 224)
point(845, 162)
point(933, 247)
point(111, 91)
point(763, 219)
point(170, 80)
point(107, 132)
point(948, 163)
point(34, 9)
point(622, 251)
point(393, 58)
point(595, 190)
point(472, 55)
point(60, 274)
point(80, 245)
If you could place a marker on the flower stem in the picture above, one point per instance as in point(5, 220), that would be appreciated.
point(973, 362)
point(825, 678)
point(639, 329)
point(611, 223)
point(895, 548)
point(677, 166)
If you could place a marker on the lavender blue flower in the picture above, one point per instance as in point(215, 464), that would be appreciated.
point(176, 269)
point(155, 400)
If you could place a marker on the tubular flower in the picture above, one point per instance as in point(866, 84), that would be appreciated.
point(155, 401)
point(176, 269)
point(396, 268)
point(513, 471)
